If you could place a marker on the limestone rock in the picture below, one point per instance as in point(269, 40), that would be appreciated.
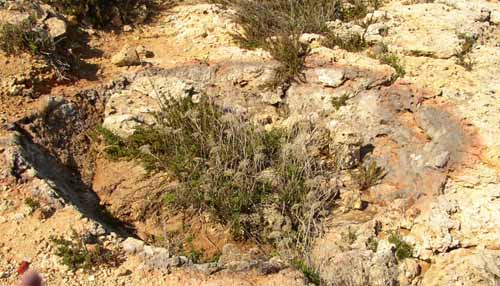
point(495, 17)
point(127, 56)
point(56, 27)
point(465, 267)
point(132, 245)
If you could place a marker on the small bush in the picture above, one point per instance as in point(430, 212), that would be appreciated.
point(291, 53)
point(311, 274)
point(352, 42)
point(75, 254)
point(338, 102)
point(369, 175)
point(32, 204)
point(218, 158)
point(101, 13)
point(393, 61)
point(26, 36)
point(276, 26)
point(403, 249)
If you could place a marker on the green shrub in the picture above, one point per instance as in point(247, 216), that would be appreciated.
point(393, 61)
point(26, 36)
point(32, 204)
point(352, 42)
point(291, 53)
point(369, 175)
point(311, 274)
point(403, 249)
point(218, 158)
point(99, 12)
point(75, 255)
point(276, 26)
point(338, 102)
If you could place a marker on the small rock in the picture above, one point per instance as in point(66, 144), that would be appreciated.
point(495, 17)
point(207, 268)
point(56, 27)
point(330, 77)
point(97, 230)
point(127, 28)
point(18, 217)
point(132, 245)
point(441, 160)
point(128, 56)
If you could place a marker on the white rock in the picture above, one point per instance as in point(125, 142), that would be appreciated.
point(127, 56)
point(330, 77)
point(56, 27)
point(495, 17)
point(132, 245)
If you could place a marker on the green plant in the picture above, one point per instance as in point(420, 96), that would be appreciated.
point(75, 254)
point(309, 272)
point(101, 12)
point(463, 54)
point(169, 199)
point(217, 159)
point(276, 26)
point(32, 204)
point(393, 61)
point(350, 237)
point(403, 249)
point(369, 175)
point(352, 42)
point(291, 53)
point(26, 36)
point(340, 101)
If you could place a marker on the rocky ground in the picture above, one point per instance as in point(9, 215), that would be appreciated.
point(435, 130)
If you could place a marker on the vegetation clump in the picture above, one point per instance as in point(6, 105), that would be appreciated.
point(403, 249)
point(219, 160)
point(369, 175)
point(32, 204)
point(393, 61)
point(276, 26)
point(27, 36)
point(75, 254)
point(311, 274)
point(100, 13)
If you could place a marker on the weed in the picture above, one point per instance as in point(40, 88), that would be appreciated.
point(32, 204)
point(463, 55)
point(216, 157)
point(291, 53)
point(101, 12)
point(169, 199)
point(26, 36)
point(340, 101)
point(369, 175)
point(75, 255)
point(403, 249)
point(276, 26)
point(350, 237)
point(393, 61)
point(352, 42)
point(311, 274)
